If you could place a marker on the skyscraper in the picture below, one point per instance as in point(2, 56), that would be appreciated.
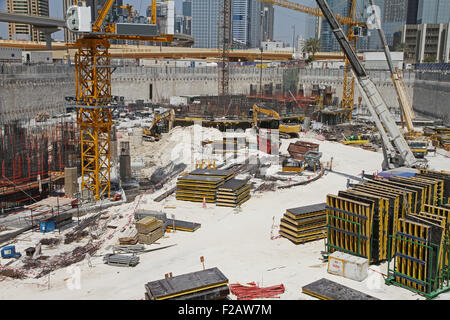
point(187, 8)
point(179, 23)
point(411, 12)
point(433, 11)
point(29, 7)
point(394, 17)
point(268, 21)
point(255, 23)
point(205, 23)
point(240, 20)
point(187, 14)
point(328, 42)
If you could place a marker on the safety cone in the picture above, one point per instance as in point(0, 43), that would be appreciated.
point(204, 203)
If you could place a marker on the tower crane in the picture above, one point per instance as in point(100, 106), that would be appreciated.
point(93, 85)
point(354, 30)
point(395, 148)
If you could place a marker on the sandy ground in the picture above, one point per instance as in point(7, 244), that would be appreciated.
point(238, 243)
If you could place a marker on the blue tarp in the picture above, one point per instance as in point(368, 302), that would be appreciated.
point(399, 174)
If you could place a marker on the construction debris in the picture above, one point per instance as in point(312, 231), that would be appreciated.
point(252, 291)
point(298, 149)
point(78, 231)
point(129, 248)
point(121, 260)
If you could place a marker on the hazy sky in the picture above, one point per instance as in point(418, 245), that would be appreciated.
point(284, 18)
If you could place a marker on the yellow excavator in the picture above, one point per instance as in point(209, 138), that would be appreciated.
point(286, 130)
point(150, 133)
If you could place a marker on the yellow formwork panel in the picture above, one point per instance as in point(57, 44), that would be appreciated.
point(300, 240)
point(430, 188)
point(306, 215)
point(304, 221)
point(407, 195)
point(411, 258)
point(395, 198)
point(382, 207)
point(194, 199)
point(442, 222)
point(349, 225)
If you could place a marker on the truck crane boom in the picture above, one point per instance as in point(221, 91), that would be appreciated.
point(397, 152)
point(403, 97)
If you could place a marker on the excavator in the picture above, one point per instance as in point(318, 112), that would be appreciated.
point(286, 130)
point(396, 150)
point(150, 133)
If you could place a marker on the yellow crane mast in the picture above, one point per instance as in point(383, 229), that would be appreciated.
point(348, 94)
point(93, 96)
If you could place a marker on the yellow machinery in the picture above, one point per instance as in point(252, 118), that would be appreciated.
point(209, 164)
point(94, 99)
point(168, 115)
point(419, 148)
point(286, 130)
point(356, 139)
point(354, 30)
point(128, 8)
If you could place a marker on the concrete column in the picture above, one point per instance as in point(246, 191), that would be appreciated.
point(125, 162)
point(70, 181)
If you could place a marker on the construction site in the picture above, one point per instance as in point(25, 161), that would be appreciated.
point(250, 177)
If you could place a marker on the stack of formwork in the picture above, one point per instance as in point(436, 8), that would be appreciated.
point(209, 284)
point(149, 230)
point(361, 220)
point(304, 224)
point(233, 193)
point(202, 184)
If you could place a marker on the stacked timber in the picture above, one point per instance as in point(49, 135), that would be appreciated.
point(149, 230)
point(363, 219)
point(209, 284)
point(304, 224)
point(233, 193)
point(202, 184)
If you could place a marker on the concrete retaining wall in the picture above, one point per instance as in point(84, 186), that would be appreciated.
point(27, 90)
